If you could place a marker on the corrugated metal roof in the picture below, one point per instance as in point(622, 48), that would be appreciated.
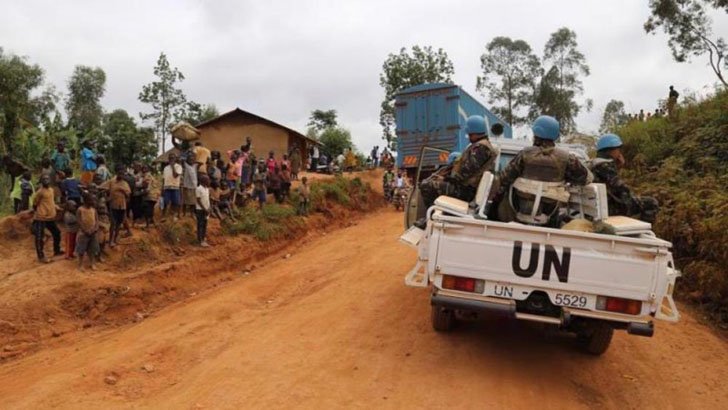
point(258, 117)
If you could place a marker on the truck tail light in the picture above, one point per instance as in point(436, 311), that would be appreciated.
point(463, 284)
point(619, 305)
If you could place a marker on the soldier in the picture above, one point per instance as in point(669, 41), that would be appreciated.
point(605, 168)
point(533, 185)
point(462, 178)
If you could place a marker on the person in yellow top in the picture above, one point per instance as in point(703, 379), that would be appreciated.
point(44, 217)
point(350, 160)
point(202, 156)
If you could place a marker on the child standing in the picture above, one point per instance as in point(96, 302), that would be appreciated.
point(202, 209)
point(102, 214)
point(44, 208)
point(215, 200)
point(152, 191)
point(189, 184)
point(88, 224)
point(70, 187)
point(275, 183)
point(102, 171)
point(285, 181)
point(119, 193)
point(71, 223)
point(260, 180)
point(22, 192)
point(304, 192)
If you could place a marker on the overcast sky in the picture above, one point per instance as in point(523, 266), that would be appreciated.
point(283, 59)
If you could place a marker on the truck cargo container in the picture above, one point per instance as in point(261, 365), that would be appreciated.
point(434, 115)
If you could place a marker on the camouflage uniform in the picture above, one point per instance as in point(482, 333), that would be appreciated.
point(462, 178)
point(540, 163)
point(620, 197)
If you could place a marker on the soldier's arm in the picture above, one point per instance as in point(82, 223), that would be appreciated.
point(474, 163)
point(577, 173)
point(512, 171)
point(616, 187)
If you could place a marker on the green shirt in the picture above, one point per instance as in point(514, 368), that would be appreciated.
point(60, 160)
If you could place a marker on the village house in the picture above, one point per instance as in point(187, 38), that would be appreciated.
point(229, 131)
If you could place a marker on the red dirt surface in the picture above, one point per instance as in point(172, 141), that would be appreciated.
point(334, 326)
point(39, 303)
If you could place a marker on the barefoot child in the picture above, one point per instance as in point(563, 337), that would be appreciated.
point(88, 224)
point(304, 192)
point(260, 180)
point(202, 209)
point(71, 223)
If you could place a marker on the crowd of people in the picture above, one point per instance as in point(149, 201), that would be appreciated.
point(347, 161)
point(100, 206)
point(659, 112)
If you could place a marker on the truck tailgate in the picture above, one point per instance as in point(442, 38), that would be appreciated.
point(548, 258)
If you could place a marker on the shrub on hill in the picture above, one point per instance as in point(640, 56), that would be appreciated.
point(683, 162)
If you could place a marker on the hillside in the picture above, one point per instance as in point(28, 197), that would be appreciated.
point(683, 162)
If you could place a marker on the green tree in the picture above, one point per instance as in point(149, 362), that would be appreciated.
point(561, 83)
point(124, 142)
point(86, 87)
point(689, 31)
point(195, 113)
point(335, 140)
point(405, 69)
point(23, 103)
point(320, 119)
point(510, 71)
point(613, 116)
point(165, 98)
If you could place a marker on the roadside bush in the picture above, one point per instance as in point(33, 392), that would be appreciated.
point(274, 222)
point(350, 193)
point(683, 162)
point(178, 232)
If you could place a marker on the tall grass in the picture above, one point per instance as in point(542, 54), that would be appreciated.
point(683, 162)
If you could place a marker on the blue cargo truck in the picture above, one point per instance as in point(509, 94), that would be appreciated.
point(434, 115)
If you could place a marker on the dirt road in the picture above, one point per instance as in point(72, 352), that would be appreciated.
point(334, 326)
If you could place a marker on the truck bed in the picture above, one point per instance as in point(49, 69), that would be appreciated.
point(573, 268)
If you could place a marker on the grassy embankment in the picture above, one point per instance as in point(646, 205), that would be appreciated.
point(683, 162)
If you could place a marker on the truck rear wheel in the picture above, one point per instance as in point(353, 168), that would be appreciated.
point(443, 319)
point(597, 338)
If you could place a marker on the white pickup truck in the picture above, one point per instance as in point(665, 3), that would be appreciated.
point(585, 283)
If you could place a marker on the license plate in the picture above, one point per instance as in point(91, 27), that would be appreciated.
point(572, 300)
point(567, 299)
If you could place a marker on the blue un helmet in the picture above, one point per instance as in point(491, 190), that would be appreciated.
point(609, 141)
point(475, 125)
point(546, 127)
point(453, 157)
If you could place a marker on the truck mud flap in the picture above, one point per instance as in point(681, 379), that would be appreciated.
point(667, 310)
point(450, 302)
point(417, 277)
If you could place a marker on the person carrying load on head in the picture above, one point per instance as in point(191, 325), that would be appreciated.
point(465, 172)
point(533, 185)
point(621, 200)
